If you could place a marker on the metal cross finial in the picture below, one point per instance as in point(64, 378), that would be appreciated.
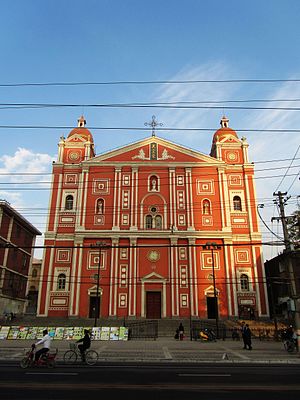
point(154, 124)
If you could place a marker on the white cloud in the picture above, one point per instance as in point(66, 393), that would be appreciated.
point(32, 204)
point(26, 162)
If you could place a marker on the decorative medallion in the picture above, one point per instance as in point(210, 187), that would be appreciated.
point(153, 255)
point(74, 155)
point(232, 156)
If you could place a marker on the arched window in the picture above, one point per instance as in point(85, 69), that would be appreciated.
point(244, 280)
point(148, 221)
point(34, 273)
point(237, 203)
point(69, 202)
point(153, 220)
point(61, 282)
point(100, 206)
point(153, 183)
point(206, 207)
point(158, 222)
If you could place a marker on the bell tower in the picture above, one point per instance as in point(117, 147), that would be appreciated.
point(79, 145)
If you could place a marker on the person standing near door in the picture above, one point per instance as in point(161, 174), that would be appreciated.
point(181, 331)
point(243, 329)
point(248, 337)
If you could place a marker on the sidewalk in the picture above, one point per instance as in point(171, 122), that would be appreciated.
point(167, 350)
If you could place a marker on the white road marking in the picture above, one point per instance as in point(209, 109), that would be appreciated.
point(236, 353)
point(205, 375)
point(51, 373)
point(167, 353)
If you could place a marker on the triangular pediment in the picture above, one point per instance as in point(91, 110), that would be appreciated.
point(152, 150)
point(210, 290)
point(230, 139)
point(76, 139)
point(153, 276)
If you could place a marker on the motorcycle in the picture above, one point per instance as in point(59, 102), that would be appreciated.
point(46, 359)
point(207, 335)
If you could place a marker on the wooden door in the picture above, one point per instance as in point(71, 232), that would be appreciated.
point(153, 305)
point(212, 307)
point(94, 307)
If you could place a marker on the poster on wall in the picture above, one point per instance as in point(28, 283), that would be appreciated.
point(78, 332)
point(23, 330)
point(32, 332)
point(114, 333)
point(68, 333)
point(123, 333)
point(51, 331)
point(59, 333)
point(96, 333)
point(4, 330)
point(104, 333)
point(39, 333)
point(13, 332)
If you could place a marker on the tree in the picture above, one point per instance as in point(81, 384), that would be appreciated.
point(293, 227)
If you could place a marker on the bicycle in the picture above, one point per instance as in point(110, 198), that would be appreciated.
point(290, 345)
point(71, 356)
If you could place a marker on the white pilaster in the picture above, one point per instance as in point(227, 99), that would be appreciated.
point(84, 205)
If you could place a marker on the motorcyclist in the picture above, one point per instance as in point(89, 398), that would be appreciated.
point(46, 342)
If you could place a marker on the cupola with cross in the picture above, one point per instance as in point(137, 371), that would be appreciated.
point(78, 146)
point(227, 146)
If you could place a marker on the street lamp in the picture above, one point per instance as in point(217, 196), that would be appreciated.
point(99, 246)
point(213, 246)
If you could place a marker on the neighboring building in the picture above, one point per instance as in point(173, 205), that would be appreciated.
point(155, 204)
point(17, 241)
point(34, 277)
point(283, 278)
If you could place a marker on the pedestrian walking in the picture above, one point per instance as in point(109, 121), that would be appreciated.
point(248, 335)
point(243, 328)
point(181, 331)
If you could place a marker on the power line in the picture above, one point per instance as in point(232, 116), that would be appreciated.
point(290, 166)
point(107, 128)
point(142, 105)
point(146, 82)
point(50, 173)
point(294, 180)
point(102, 169)
point(46, 189)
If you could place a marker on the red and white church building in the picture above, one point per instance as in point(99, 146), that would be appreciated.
point(153, 230)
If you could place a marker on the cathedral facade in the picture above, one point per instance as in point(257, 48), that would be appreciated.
point(153, 230)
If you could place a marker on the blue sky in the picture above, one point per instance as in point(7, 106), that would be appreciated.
point(104, 41)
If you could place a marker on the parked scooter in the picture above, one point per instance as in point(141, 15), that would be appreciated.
point(208, 335)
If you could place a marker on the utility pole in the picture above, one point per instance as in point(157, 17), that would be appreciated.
point(213, 246)
point(99, 246)
point(288, 251)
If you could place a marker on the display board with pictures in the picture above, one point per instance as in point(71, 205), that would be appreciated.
point(63, 333)
point(4, 330)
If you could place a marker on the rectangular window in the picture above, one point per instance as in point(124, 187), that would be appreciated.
point(184, 301)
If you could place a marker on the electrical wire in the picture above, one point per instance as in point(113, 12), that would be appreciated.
point(284, 176)
point(147, 82)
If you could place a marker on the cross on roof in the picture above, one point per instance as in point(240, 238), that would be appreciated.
point(154, 124)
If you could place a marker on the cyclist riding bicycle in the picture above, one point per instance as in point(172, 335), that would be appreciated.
point(86, 343)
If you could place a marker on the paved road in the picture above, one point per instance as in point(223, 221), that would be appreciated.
point(166, 350)
point(154, 380)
